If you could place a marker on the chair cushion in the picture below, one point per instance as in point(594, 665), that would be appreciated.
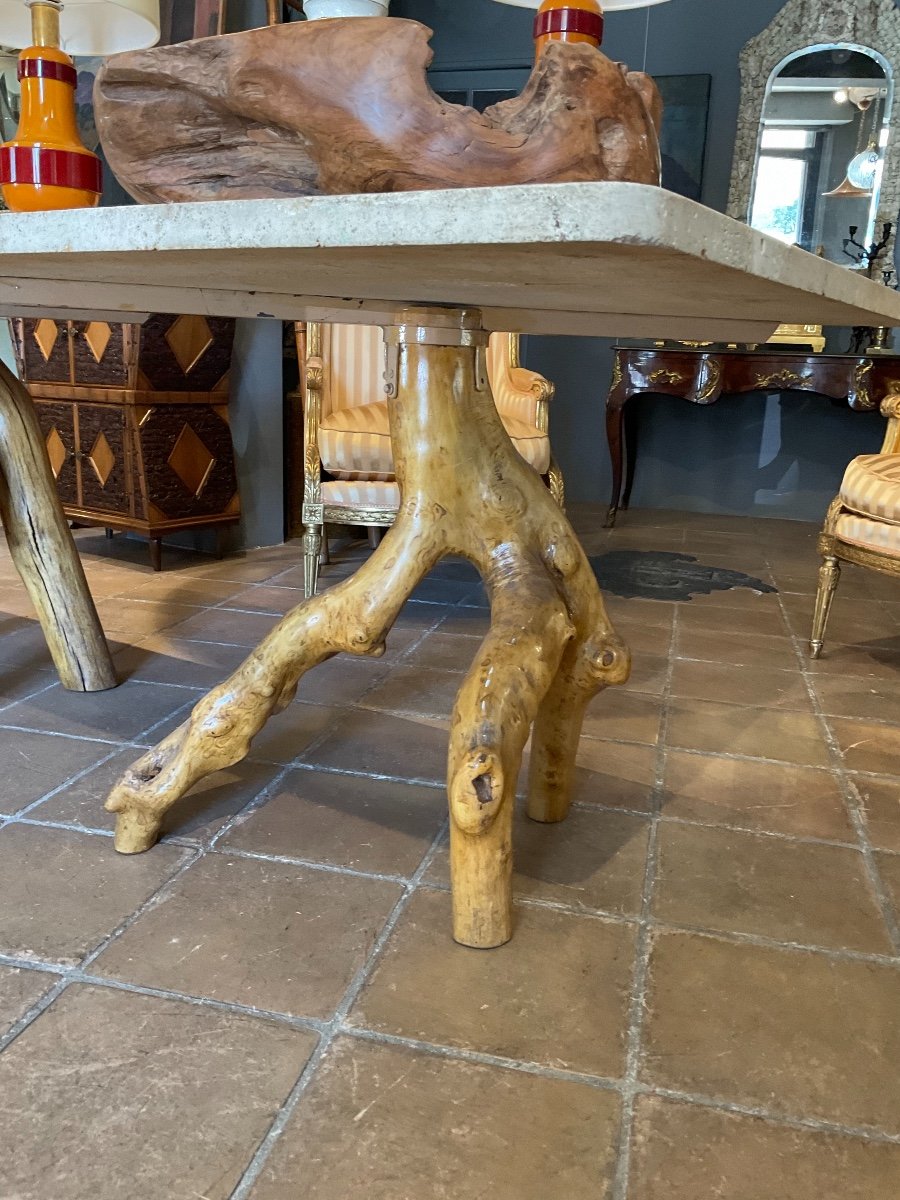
point(353, 493)
point(355, 443)
point(871, 487)
point(875, 535)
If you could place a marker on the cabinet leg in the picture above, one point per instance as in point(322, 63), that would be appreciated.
point(375, 535)
point(614, 441)
point(110, 533)
point(42, 548)
point(156, 553)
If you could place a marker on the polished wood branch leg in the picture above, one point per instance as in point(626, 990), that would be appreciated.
point(42, 548)
point(550, 647)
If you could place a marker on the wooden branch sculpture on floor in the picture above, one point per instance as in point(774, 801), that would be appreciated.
point(550, 649)
point(344, 106)
point(288, 110)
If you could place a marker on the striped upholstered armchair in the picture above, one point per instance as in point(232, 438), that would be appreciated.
point(863, 522)
point(348, 461)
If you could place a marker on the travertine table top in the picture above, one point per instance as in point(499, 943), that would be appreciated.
point(579, 258)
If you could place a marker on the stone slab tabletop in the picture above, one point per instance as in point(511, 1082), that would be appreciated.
point(595, 259)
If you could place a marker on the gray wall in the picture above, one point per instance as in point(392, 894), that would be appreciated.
point(778, 457)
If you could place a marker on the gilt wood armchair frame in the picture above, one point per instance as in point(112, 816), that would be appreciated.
point(835, 550)
point(316, 514)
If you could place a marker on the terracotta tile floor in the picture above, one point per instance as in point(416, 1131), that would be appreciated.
point(702, 997)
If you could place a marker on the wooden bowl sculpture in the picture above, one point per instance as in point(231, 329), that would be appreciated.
point(344, 106)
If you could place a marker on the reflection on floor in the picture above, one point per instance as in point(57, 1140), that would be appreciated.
point(703, 994)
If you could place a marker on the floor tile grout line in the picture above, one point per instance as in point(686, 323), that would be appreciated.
point(643, 944)
point(68, 975)
point(852, 803)
point(105, 942)
point(308, 864)
point(28, 1018)
point(574, 910)
point(127, 742)
point(734, 937)
point(816, 1124)
point(480, 1058)
point(270, 1139)
point(46, 687)
point(75, 778)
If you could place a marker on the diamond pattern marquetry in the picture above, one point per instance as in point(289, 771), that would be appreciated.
point(191, 460)
point(189, 338)
point(56, 451)
point(45, 334)
point(97, 336)
point(102, 459)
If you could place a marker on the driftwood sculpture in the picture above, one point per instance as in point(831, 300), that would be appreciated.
point(344, 106)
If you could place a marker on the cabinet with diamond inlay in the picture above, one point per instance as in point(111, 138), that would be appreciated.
point(135, 419)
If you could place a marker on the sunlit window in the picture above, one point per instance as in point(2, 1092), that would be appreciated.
point(778, 199)
point(788, 139)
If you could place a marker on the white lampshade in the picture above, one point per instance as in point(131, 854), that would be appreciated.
point(88, 27)
point(607, 5)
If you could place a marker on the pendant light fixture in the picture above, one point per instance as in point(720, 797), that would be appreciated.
point(46, 165)
point(862, 170)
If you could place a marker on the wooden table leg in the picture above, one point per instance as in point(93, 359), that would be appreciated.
point(42, 548)
point(465, 491)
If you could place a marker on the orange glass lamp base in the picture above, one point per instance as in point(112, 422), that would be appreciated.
point(568, 21)
point(46, 166)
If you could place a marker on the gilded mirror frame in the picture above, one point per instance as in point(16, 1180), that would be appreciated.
point(806, 24)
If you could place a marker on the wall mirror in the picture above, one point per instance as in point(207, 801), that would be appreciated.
point(819, 157)
point(818, 142)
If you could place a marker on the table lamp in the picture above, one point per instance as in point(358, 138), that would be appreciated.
point(573, 20)
point(46, 166)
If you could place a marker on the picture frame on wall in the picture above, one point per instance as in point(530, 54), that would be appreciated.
point(181, 20)
point(682, 140)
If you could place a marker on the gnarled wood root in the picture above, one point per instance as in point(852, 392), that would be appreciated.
point(42, 549)
point(549, 650)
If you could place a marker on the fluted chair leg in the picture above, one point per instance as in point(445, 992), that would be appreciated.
point(312, 549)
point(829, 576)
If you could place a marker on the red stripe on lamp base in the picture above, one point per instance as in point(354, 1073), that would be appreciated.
point(50, 168)
point(569, 20)
point(46, 68)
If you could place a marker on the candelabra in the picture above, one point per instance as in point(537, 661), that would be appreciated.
point(867, 257)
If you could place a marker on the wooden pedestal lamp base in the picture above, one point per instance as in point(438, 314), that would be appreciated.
point(42, 548)
point(550, 649)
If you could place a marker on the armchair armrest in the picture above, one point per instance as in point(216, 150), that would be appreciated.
point(314, 374)
point(890, 408)
point(531, 383)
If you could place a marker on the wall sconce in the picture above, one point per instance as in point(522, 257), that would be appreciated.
point(46, 165)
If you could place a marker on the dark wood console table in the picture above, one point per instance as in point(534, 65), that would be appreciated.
point(702, 376)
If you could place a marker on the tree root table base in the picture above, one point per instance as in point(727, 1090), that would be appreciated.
point(42, 548)
point(550, 649)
